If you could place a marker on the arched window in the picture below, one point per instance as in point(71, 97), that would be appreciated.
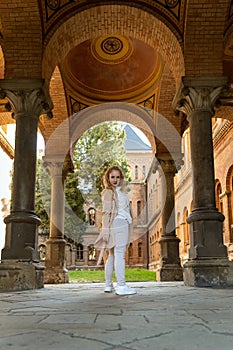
point(218, 191)
point(130, 250)
point(140, 249)
point(143, 171)
point(136, 172)
point(229, 188)
point(186, 230)
point(91, 216)
point(178, 225)
point(42, 251)
point(139, 209)
point(79, 251)
point(91, 253)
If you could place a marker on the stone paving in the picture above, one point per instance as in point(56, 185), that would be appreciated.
point(162, 316)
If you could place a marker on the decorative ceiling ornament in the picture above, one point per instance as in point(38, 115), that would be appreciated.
point(112, 68)
point(172, 3)
point(53, 4)
point(111, 49)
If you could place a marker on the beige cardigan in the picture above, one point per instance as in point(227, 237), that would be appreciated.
point(110, 208)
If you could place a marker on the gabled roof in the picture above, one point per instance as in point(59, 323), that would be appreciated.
point(133, 142)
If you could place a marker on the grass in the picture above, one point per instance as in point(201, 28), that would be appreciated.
point(131, 275)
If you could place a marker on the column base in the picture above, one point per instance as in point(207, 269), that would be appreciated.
point(16, 276)
point(170, 272)
point(206, 236)
point(55, 271)
point(55, 275)
point(216, 273)
point(21, 237)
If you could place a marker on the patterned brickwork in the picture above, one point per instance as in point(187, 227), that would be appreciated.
point(204, 37)
point(59, 101)
point(21, 38)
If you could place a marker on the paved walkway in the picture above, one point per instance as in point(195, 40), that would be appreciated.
point(162, 316)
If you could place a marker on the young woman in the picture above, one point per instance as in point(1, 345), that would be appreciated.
point(114, 234)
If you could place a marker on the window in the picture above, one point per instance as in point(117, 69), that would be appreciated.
point(143, 171)
point(218, 190)
point(140, 249)
point(91, 253)
point(79, 251)
point(136, 172)
point(186, 230)
point(139, 209)
point(130, 250)
point(42, 251)
point(229, 189)
point(91, 216)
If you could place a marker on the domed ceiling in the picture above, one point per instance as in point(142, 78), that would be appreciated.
point(112, 68)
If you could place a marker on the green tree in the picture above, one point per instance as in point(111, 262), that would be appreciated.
point(74, 225)
point(98, 148)
point(43, 197)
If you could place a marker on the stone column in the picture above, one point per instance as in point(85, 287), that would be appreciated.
point(55, 271)
point(170, 268)
point(28, 99)
point(208, 264)
point(85, 255)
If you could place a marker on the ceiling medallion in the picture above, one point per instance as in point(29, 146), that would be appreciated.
point(112, 45)
point(111, 49)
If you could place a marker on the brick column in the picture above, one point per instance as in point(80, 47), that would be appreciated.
point(170, 268)
point(28, 99)
point(208, 263)
point(55, 271)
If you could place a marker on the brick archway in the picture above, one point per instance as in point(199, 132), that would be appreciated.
point(72, 128)
point(95, 21)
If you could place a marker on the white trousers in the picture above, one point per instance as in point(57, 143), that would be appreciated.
point(116, 255)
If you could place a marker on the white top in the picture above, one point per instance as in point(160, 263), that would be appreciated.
point(123, 206)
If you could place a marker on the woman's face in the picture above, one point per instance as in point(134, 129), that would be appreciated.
point(115, 178)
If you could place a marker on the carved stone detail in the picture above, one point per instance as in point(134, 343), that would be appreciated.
point(54, 168)
point(198, 94)
point(26, 99)
point(198, 99)
point(59, 167)
point(169, 165)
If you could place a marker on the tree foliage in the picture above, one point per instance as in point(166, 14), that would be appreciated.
point(74, 224)
point(98, 148)
point(43, 197)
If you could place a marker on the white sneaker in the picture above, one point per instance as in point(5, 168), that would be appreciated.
point(109, 289)
point(125, 290)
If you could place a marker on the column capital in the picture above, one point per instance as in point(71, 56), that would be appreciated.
point(54, 166)
point(169, 164)
point(27, 97)
point(199, 93)
point(57, 165)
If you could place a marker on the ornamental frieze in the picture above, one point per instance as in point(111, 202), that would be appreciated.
point(53, 11)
